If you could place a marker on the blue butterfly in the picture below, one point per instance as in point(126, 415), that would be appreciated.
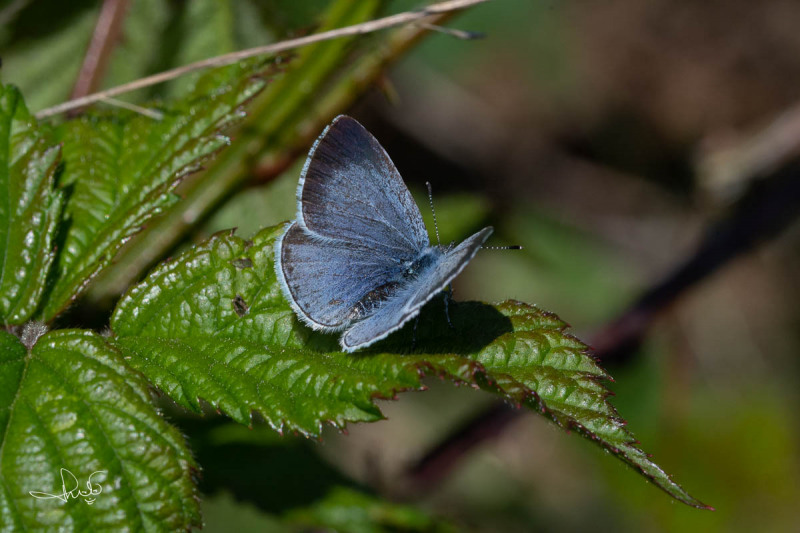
point(358, 259)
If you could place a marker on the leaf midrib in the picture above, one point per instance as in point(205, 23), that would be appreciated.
point(11, 410)
point(131, 203)
point(251, 347)
point(27, 359)
point(68, 386)
point(7, 171)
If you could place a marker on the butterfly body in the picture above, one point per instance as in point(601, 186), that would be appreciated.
point(358, 258)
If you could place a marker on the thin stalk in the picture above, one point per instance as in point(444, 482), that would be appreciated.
point(270, 49)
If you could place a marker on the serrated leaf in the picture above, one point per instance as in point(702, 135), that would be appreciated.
point(121, 169)
point(212, 325)
point(345, 509)
point(278, 122)
point(29, 208)
point(70, 402)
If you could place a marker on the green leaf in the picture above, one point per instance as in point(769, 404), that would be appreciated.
point(159, 35)
point(345, 509)
point(29, 208)
point(46, 57)
point(282, 121)
point(239, 459)
point(44, 48)
point(70, 402)
point(212, 324)
point(206, 28)
point(239, 462)
point(223, 512)
point(121, 171)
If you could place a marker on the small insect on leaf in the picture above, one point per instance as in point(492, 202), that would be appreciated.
point(240, 306)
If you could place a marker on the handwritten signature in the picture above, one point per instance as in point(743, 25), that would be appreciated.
point(67, 482)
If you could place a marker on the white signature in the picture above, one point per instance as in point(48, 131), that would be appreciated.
point(69, 491)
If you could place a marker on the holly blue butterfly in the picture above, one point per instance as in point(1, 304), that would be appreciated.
point(357, 259)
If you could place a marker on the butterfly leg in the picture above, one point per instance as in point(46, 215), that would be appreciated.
point(448, 295)
point(414, 334)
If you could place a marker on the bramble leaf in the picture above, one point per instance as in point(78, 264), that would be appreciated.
point(282, 121)
point(44, 48)
point(121, 169)
point(240, 469)
point(345, 509)
point(29, 208)
point(70, 406)
point(213, 325)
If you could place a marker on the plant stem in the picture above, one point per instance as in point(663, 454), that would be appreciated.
point(105, 36)
point(281, 123)
point(228, 59)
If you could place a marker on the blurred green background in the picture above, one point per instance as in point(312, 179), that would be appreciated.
point(603, 137)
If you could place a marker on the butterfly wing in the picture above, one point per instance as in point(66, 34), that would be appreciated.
point(351, 191)
point(406, 304)
point(356, 224)
point(324, 279)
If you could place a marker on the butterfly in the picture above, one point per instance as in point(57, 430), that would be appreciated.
point(357, 258)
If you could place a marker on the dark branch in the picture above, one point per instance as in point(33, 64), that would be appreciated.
point(769, 207)
point(105, 37)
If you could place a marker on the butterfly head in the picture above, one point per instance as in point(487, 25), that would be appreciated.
point(428, 257)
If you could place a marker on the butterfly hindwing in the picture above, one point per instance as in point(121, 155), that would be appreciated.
point(325, 278)
point(408, 301)
point(358, 257)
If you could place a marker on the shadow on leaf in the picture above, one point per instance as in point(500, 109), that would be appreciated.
point(475, 325)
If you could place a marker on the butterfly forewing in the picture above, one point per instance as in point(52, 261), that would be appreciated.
point(352, 259)
point(351, 191)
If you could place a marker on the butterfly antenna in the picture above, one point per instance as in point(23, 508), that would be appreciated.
point(512, 247)
point(435, 224)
